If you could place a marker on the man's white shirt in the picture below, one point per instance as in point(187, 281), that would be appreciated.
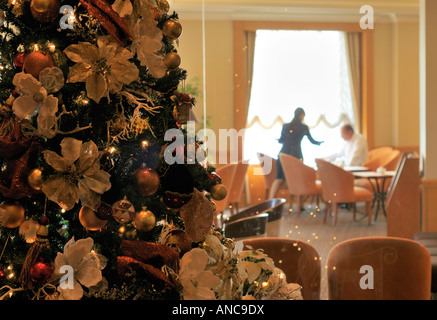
point(354, 152)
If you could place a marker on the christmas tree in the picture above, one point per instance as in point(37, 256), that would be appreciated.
point(94, 204)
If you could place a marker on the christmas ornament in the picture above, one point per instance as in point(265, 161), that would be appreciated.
point(228, 243)
point(218, 192)
point(28, 230)
point(163, 5)
point(172, 60)
point(106, 161)
point(37, 61)
point(19, 61)
point(144, 220)
point(109, 19)
point(172, 29)
point(52, 79)
point(175, 200)
point(41, 243)
point(146, 180)
point(11, 214)
point(45, 11)
point(2, 274)
point(35, 179)
point(18, 151)
point(89, 220)
point(104, 211)
point(117, 124)
point(123, 211)
point(17, 6)
point(40, 272)
point(182, 113)
point(178, 241)
point(249, 297)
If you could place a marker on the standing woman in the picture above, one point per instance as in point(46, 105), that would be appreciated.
point(291, 138)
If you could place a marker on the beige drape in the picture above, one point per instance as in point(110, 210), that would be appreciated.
point(249, 59)
point(249, 56)
point(353, 54)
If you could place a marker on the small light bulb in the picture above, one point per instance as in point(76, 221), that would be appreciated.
point(112, 150)
point(2, 68)
point(52, 47)
point(35, 47)
point(144, 143)
point(62, 210)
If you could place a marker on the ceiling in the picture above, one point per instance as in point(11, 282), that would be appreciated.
point(303, 10)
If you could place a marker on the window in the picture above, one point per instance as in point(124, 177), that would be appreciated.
point(294, 69)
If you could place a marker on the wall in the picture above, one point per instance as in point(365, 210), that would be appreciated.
point(396, 61)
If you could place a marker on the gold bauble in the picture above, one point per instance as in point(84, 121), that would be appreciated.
point(45, 11)
point(35, 180)
point(172, 60)
point(89, 220)
point(228, 243)
point(219, 192)
point(172, 29)
point(144, 220)
point(249, 297)
point(147, 181)
point(163, 5)
point(37, 61)
point(14, 215)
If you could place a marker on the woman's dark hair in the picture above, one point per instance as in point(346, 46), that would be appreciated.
point(297, 113)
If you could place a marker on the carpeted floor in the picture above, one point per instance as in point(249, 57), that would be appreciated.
point(309, 227)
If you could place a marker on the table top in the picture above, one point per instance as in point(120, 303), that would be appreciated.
point(373, 174)
point(356, 169)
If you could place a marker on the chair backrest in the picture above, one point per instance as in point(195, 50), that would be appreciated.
point(300, 178)
point(227, 174)
point(398, 269)
point(238, 182)
point(377, 157)
point(270, 176)
point(378, 152)
point(299, 261)
point(337, 184)
point(392, 160)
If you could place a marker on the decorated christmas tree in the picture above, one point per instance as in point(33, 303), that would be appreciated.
point(94, 204)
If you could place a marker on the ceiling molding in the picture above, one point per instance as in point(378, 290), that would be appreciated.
point(338, 11)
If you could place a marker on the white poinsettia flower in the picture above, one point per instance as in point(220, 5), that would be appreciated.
point(147, 37)
point(86, 264)
point(78, 175)
point(28, 230)
point(104, 68)
point(197, 283)
point(34, 98)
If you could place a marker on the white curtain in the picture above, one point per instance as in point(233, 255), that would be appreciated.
point(292, 69)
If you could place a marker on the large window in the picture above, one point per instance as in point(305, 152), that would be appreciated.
point(294, 69)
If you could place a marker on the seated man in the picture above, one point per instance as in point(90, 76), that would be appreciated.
point(354, 152)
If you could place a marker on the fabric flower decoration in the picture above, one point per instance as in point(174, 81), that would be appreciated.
point(33, 98)
point(147, 37)
point(78, 175)
point(86, 264)
point(104, 68)
point(28, 230)
point(197, 283)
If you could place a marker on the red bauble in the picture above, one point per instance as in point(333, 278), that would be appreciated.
point(175, 200)
point(19, 61)
point(104, 211)
point(37, 61)
point(2, 274)
point(40, 272)
point(146, 180)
